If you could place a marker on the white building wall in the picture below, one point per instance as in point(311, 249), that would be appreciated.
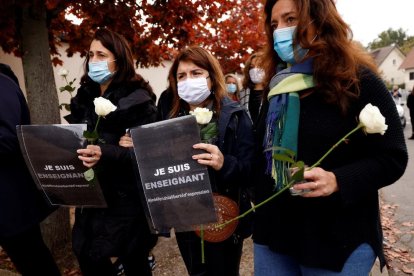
point(16, 65)
point(389, 68)
point(409, 84)
point(157, 77)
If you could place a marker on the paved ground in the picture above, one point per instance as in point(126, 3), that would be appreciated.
point(402, 193)
point(169, 262)
point(400, 196)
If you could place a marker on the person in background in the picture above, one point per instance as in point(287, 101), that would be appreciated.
point(333, 227)
point(22, 206)
point(232, 86)
point(121, 229)
point(164, 103)
point(410, 105)
point(252, 92)
point(396, 94)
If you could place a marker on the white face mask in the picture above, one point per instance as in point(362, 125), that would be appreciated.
point(256, 75)
point(193, 91)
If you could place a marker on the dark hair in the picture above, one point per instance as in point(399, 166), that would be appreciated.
point(205, 60)
point(337, 59)
point(121, 50)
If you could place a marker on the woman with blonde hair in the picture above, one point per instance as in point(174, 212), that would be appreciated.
point(232, 86)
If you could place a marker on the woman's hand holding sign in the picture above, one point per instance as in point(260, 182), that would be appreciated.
point(213, 156)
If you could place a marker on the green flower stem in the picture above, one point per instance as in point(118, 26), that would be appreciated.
point(67, 83)
point(203, 261)
point(334, 146)
point(256, 206)
point(97, 123)
point(290, 184)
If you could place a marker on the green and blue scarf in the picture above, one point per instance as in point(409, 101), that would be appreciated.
point(282, 121)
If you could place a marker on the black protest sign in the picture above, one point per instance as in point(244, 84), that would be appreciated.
point(50, 155)
point(176, 188)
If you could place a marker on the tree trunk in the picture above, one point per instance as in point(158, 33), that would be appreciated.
point(43, 100)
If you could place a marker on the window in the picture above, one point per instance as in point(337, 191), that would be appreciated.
point(394, 62)
point(411, 75)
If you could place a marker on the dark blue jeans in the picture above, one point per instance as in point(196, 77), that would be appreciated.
point(270, 263)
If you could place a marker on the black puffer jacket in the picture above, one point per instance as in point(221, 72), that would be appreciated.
point(108, 231)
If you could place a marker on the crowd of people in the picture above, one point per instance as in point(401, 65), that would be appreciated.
point(301, 93)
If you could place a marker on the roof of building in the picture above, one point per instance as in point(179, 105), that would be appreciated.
point(408, 62)
point(381, 54)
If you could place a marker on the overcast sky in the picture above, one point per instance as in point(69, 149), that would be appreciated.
point(368, 18)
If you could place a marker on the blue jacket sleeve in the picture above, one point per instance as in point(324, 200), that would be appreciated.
point(238, 151)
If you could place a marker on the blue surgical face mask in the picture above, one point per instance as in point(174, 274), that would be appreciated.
point(283, 45)
point(99, 71)
point(231, 88)
point(193, 91)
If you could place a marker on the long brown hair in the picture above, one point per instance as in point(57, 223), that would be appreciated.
point(205, 60)
point(247, 81)
point(338, 61)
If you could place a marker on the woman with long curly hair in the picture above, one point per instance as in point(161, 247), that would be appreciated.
point(318, 82)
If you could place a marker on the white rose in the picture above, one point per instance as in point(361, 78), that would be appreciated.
point(372, 120)
point(203, 115)
point(63, 72)
point(103, 106)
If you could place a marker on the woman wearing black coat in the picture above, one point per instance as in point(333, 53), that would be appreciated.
point(22, 207)
point(410, 105)
point(319, 82)
point(196, 81)
point(120, 230)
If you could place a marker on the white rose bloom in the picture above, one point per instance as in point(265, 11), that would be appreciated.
point(63, 72)
point(103, 106)
point(372, 120)
point(203, 115)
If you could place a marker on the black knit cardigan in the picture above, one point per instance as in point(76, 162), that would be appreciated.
point(322, 232)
